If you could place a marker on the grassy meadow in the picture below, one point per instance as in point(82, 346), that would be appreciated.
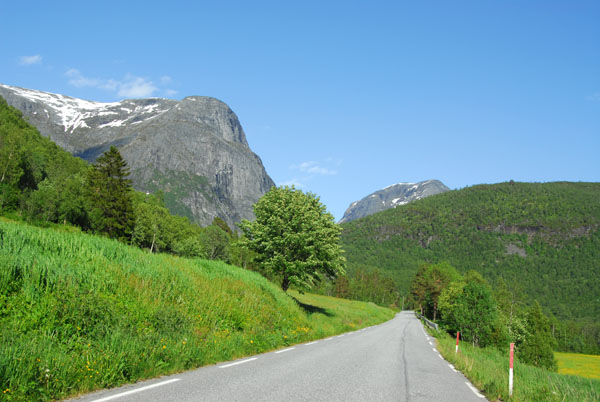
point(487, 368)
point(80, 312)
point(578, 364)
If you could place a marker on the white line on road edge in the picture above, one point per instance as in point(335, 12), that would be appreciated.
point(430, 343)
point(133, 391)
point(311, 343)
point(452, 368)
point(240, 362)
point(339, 336)
point(475, 390)
point(440, 356)
point(285, 350)
point(327, 339)
point(434, 349)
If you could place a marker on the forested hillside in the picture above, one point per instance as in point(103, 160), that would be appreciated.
point(543, 240)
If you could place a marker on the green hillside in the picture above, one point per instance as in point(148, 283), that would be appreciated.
point(80, 312)
point(542, 239)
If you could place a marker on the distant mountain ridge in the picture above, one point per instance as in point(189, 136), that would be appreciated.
point(542, 238)
point(391, 197)
point(195, 150)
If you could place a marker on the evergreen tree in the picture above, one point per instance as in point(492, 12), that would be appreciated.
point(110, 195)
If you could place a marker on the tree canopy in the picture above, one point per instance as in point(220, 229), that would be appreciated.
point(294, 237)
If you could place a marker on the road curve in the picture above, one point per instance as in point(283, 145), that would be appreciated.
point(394, 361)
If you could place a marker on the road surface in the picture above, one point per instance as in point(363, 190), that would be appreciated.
point(394, 361)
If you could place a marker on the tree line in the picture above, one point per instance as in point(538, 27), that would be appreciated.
point(484, 316)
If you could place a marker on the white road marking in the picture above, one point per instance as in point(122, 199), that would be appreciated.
point(339, 336)
point(434, 349)
point(327, 339)
point(430, 343)
point(311, 343)
point(240, 362)
point(133, 391)
point(475, 390)
point(285, 350)
point(452, 368)
point(440, 356)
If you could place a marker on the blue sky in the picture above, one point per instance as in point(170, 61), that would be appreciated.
point(344, 98)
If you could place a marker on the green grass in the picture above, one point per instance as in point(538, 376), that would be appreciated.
point(487, 368)
point(578, 364)
point(80, 312)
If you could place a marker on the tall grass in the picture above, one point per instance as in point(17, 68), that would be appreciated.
point(487, 368)
point(79, 312)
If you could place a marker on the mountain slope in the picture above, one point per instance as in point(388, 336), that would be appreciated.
point(195, 150)
point(542, 239)
point(391, 197)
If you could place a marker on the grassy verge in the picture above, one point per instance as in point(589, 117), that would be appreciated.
point(79, 312)
point(487, 368)
point(578, 364)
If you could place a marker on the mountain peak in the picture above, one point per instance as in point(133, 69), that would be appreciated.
point(391, 197)
point(194, 149)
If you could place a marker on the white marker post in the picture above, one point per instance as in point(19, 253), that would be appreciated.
point(457, 336)
point(510, 370)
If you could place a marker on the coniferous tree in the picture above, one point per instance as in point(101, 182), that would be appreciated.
point(110, 195)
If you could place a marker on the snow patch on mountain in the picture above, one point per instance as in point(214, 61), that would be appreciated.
point(392, 196)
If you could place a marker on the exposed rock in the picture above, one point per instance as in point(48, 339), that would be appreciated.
point(512, 249)
point(195, 150)
point(391, 197)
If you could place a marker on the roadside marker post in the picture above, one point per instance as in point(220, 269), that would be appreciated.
point(457, 336)
point(510, 370)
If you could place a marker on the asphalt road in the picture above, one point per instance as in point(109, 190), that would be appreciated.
point(394, 361)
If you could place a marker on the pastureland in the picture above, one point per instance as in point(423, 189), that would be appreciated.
point(80, 312)
point(578, 364)
point(487, 368)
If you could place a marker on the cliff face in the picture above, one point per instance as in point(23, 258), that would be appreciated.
point(392, 196)
point(194, 150)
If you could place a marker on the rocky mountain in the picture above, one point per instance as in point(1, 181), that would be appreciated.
point(194, 150)
point(391, 197)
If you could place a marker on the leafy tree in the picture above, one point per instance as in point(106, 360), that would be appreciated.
point(429, 283)
point(467, 305)
point(294, 237)
point(151, 227)
point(73, 206)
point(111, 196)
point(222, 224)
point(215, 242)
point(418, 289)
point(537, 349)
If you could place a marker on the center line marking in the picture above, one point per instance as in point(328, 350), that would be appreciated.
point(285, 350)
point(133, 391)
point(240, 362)
point(311, 343)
